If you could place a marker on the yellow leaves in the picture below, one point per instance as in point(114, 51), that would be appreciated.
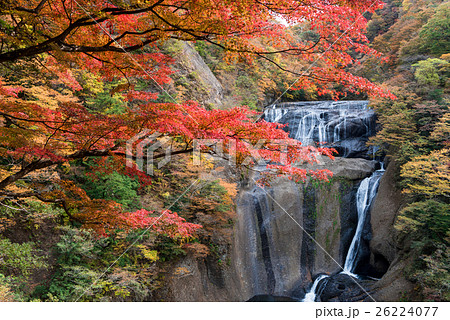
point(406, 225)
point(6, 295)
point(47, 97)
point(441, 132)
point(151, 255)
point(5, 223)
point(92, 83)
point(121, 87)
point(231, 188)
point(231, 192)
point(428, 175)
point(399, 127)
point(199, 250)
point(182, 271)
point(38, 92)
point(6, 173)
point(406, 4)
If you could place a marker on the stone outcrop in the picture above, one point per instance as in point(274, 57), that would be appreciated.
point(383, 214)
point(292, 232)
point(193, 79)
point(192, 279)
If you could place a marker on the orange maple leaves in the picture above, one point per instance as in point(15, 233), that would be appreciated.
point(121, 39)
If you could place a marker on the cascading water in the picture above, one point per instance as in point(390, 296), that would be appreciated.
point(272, 263)
point(364, 196)
point(344, 125)
point(311, 294)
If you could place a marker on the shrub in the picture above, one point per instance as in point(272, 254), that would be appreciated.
point(114, 186)
point(19, 259)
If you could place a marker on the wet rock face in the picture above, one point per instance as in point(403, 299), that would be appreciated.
point(342, 287)
point(274, 253)
point(349, 218)
point(344, 125)
point(384, 212)
point(269, 298)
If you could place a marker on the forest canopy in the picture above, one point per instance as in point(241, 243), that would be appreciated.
point(79, 44)
point(85, 84)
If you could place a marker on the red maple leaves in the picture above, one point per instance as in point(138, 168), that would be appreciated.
point(120, 40)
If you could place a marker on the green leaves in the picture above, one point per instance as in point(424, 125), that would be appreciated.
point(19, 259)
point(426, 220)
point(428, 72)
point(82, 261)
point(435, 35)
point(114, 186)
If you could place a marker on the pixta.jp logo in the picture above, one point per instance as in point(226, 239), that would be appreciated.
point(150, 151)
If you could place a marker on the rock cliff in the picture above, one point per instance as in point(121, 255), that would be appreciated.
point(283, 237)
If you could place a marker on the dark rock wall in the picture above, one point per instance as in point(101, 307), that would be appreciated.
point(384, 211)
point(289, 233)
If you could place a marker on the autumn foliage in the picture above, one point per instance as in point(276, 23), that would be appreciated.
point(414, 130)
point(56, 41)
point(98, 36)
point(70, 132)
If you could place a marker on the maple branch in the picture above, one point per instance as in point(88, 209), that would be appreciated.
point(35, 10)
point(41, 164)
point(66, 47)
point(121, 11)
point(39, 196)
point(35, 165)
point(59, 40)
point(98, 59)
point(293, 72)
point(156, 156)
point(97, 139)
point(91, 19)
point(16, 195)
point(9, 118)
point(283, 11)
point(136, 33)
point(48, 45)
point(66, 12)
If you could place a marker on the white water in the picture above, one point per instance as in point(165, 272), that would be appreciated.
point(364, 197)
point(311, 294)
point(320, 121)
point(366, 193)
point(342, 124)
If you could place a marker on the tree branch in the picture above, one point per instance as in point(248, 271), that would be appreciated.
point(35, 10)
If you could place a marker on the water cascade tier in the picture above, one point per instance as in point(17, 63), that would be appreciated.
point(343, 125)
point(364, 197)
point(312, 293)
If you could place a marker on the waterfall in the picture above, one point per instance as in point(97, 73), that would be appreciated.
point(272, 264)
point(366, 193)
point(344, 125)
point(311, 294)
